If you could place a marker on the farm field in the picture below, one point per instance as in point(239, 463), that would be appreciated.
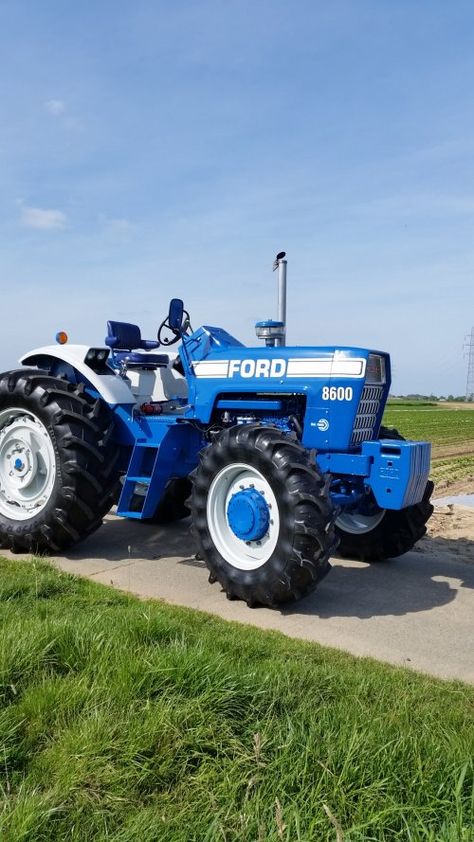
point(451, 432)
point(133, 720)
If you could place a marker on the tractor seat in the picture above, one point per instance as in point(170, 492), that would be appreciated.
point(125, 340)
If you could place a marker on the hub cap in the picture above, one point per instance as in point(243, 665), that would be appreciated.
point(27, 464)
point(242, 516)
point(248, 515)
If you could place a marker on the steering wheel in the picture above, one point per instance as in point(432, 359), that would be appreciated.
point(176, 334)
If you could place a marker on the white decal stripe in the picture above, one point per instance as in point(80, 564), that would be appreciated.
point(302, 367)
point(211, 368)
point(309, 368)
point(350, 367)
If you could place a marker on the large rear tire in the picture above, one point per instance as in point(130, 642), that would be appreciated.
point(384, 533)
point(270, 485)
point(57, 462)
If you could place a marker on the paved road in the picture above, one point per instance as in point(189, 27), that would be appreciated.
point(415, 611)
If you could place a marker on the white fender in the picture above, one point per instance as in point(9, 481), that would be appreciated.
point(114, 389)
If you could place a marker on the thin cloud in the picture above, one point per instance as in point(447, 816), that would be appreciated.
point(426, 205)
point(118, 224)
point(43, 219)
point(55, 107)
point(119, 228)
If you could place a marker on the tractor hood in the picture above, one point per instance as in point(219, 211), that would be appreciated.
point(345, 388)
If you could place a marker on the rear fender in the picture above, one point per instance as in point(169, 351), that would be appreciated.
point(70, 360)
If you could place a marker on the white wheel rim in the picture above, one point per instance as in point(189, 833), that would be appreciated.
point(357, 524)
point(241, 554)
point(27, 464)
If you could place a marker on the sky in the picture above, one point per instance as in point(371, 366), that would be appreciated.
point(155, 149)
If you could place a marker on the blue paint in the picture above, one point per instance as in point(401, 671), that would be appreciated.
point(18, 464)
point(319, 394)
point(241, 405)
point(248, 515)
point(124, 336)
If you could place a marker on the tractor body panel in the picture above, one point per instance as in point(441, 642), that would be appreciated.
point(335, 396)
point(277, 451)
point(395, 471)
point(343, 392)
point(81, 363)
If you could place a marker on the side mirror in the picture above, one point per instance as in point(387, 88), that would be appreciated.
point(175, 315)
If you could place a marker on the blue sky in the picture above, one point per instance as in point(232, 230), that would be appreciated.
point(153, 149)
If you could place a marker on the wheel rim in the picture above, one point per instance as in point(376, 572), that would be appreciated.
point(357, 524)
point(245, 555)
point(27, 464)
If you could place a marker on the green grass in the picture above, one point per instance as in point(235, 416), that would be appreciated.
point(435, 424)
point(452, 469)
point(441, 427)
point(407, 402)
point(126, 720)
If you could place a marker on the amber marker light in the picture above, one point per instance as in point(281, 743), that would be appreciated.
point(61, 337)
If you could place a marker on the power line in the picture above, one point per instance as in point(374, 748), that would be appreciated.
point(469, 353)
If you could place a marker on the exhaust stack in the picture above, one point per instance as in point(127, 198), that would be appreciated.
point(274, 332)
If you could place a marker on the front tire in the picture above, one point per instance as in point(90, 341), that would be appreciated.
point(384, 533)
point(262, 516)
point(57, 462)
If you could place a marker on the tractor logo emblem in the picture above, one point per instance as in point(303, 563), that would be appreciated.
point(323, 425)
point(292, 367)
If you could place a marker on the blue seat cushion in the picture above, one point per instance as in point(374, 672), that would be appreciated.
point(143, 360)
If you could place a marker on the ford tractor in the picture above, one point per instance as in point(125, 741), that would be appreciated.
point(277, 452)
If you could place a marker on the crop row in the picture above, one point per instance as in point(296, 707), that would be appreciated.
point(440, 426)
point(452, 469)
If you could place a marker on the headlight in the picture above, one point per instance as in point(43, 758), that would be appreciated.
point(375, 371)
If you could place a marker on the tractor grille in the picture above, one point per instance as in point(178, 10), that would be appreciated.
point(367, 414)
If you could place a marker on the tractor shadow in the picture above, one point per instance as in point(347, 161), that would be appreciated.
point(424, 579)
point(418, 581)
point(120, 540)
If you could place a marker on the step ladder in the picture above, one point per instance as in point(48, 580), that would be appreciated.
point(143, 471)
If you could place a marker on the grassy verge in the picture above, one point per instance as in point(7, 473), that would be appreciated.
point(126, 720)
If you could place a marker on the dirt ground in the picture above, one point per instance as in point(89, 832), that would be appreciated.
point(444, 451)
point(453, 405)
point(450, 533)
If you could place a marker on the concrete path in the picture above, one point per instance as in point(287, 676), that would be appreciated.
point(416, 611)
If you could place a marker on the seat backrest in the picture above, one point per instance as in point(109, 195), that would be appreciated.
point(123, 335)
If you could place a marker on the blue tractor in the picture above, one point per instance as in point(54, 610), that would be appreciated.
point(277, 452)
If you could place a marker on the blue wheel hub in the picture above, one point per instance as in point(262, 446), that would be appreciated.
point(18, 464)
point(248, 515)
